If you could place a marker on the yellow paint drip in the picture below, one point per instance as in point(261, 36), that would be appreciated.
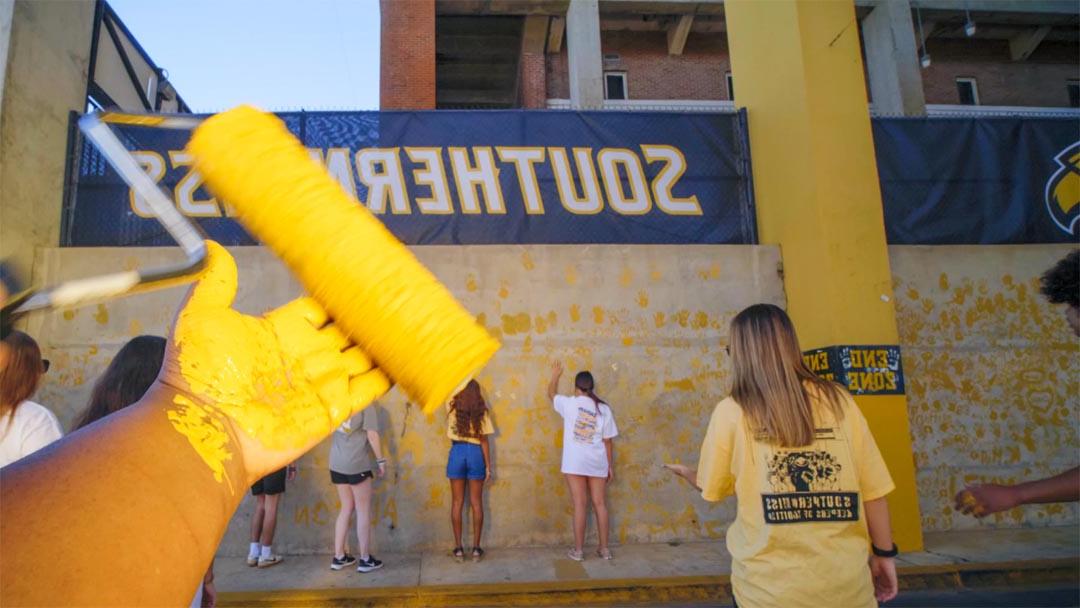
point(205, 431)
point(527, 261)
point(370, 284)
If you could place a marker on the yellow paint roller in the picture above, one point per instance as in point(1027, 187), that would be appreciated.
point(370, 284)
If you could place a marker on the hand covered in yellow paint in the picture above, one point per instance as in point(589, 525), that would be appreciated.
point(277, 384)
point(984, 499)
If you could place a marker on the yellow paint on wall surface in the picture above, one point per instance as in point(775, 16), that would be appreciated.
point(575, 313)
point(626, 277)
point(685, 384)
point(69, 315)
point(943, 282)
point(516, 324)
point(470, 283)
point(134, 328)
point(658, 319)
point(655, 276)
point(701, 320)
point(527, 261)
point(571, 275)
point(643, 299)
point(598, 315)
point(504, 290)
point(712, 272)
point(102, 315)
point(627, 341)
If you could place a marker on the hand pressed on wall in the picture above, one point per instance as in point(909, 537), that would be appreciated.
point(276, 384)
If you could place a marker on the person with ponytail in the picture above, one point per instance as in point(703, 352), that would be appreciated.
point(468, 427)
point(812, 525)
point(588, 456)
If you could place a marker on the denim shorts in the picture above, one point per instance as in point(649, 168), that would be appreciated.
point(466, 461)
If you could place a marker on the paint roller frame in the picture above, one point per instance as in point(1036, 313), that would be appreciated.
point(95, 126)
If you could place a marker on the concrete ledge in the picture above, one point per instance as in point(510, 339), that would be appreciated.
point(644, 590)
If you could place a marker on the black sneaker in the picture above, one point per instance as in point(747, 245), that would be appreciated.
point(338, 564)
point(367, 565)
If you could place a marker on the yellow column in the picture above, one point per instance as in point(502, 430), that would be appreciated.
point(798, 71)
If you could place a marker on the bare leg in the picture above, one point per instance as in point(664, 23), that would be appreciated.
point(597, 485)
point(457, 505)
point(257, 518)
point(269, 520)
point(341, 526)
point(362, 497)
point(580, 495)
point(476, 501)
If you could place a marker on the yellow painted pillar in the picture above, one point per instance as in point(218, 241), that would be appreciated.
point(799, 73)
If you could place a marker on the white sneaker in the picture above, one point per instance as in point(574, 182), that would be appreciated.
point(253, 560)
point(273, 560)
point(577, 556)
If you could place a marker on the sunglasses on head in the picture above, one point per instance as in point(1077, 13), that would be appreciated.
point(44, 365)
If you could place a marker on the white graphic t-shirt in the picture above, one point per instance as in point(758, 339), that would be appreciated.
point(585, 427)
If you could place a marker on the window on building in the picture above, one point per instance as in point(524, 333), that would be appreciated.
point(1074, 93)
point(615, 85)
point(730, 86)
point(968, 90)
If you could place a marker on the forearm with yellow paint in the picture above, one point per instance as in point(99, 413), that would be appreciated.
point(116, 500)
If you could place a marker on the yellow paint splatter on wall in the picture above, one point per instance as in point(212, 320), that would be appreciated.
point(516, 324)
point(102, 315)
point(626, 277)
point(470, 283)
point(575, 313)
point(571, 275)
point(527, 261)
point(598, 315)
point(643, 299)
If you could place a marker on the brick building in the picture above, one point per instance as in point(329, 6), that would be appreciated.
point(920, 55)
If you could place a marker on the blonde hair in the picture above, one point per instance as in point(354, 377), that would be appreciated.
point(772, 381)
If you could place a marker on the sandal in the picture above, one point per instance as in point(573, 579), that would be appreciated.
point(477, 554)
point(603, 553)
point(459, 554)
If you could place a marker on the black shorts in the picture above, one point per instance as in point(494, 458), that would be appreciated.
point(352, 480)
point(274, 483)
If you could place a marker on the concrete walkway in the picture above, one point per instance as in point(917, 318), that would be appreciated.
point(638, 574)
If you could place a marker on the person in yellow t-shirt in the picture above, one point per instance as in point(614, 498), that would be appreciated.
point(468, 425)
point(812, 525)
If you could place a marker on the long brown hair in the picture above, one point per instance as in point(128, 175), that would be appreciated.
point(584, 382)
point(468, 408)
point(772, 383)
point(22, 374)
point(132, 371)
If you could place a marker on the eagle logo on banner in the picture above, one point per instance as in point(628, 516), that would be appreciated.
point(1063, 190)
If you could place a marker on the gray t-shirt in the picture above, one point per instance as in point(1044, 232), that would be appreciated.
point(350, 452)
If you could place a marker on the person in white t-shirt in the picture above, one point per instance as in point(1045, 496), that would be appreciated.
point(25, 426)
point(587, 459)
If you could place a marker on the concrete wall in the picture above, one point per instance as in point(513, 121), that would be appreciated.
point(47, 66)
point(649, 321)
point(993, 376)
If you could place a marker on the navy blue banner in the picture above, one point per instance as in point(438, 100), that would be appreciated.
point(469, 177)
point(953, 181)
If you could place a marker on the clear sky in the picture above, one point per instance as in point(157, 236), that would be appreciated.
point(276, 54)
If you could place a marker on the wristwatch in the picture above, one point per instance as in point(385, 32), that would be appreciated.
point(883, 553)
